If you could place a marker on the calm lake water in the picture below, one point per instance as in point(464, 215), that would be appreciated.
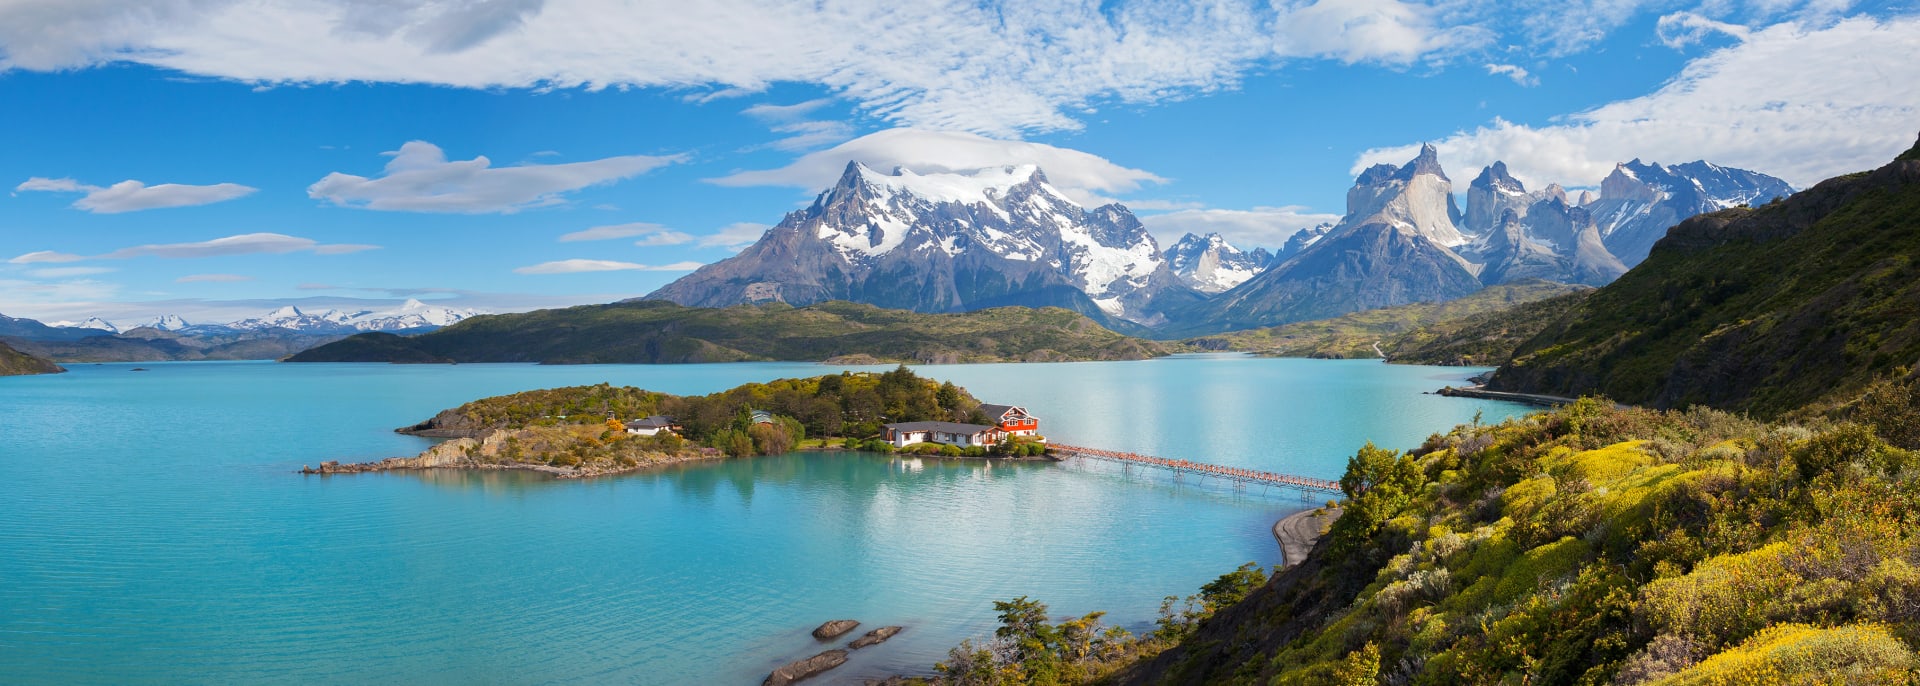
point(152, 529)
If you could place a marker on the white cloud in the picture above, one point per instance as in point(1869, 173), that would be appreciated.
point(1800, 103)
point(1001, 68)
point(736, 236)
point(654, 234)
point(1515, 72)
point(66, 272)
point(1085, 177)
point(420, 179)
point(579, 266)
point(793, 112)
point(212, 278)
point(130, 195)
point(16, 292)
point(45, 256)
point(1258, 227)
point(1370, 31)
point(1681, 29)
point(244, 244)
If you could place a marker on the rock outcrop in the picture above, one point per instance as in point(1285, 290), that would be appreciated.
point(803, 669)
point(875, 637)
point(834, 629)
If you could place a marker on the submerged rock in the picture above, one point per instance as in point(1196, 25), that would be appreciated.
point(875, 637)
point(835, 628)
point(796, 671)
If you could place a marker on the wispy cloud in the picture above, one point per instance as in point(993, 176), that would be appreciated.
point(651, 234)
point(1802, 102)
point(580, 266)
point(1083, 176)
point(244, 244)
point(1002, 68)
point(68, 272)
point(130, 195)
point(1515, 72)
point(736, 236)
point(213, 278)
point(420, 179)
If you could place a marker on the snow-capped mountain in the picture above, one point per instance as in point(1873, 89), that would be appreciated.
point(411, 315)
point(1534, 235)
point(944, 242)
point(94, 323)
point(1210, 264)
point(1299, 242)
point(169, 322)
point(1393, 247)
point(1416, 197)
point(1640, 201)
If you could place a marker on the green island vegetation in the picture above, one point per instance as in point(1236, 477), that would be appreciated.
point(654, 332)
point(16, 363)
point(583, 427)
point(1408, 333)
point(1765, 309)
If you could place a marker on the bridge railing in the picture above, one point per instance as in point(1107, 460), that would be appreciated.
point(1235, 473)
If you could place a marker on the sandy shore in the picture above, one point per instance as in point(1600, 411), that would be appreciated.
point(1296, 533)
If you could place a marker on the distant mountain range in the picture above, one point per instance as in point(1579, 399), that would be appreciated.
point(1004, 236)
point(948, 243)
point(652, 332)
point(1763, 310)
point(274, 335)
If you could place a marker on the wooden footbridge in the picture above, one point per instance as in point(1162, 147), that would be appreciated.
point(1247, 476)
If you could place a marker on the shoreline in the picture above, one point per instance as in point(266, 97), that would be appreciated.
point(1298, 532)
point(1482, 393)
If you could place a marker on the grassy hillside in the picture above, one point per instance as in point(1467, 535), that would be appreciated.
point(1761, 310)
point(1484, 339)
point(662, 332)
point(16, 363)
point(1589, 545)
point(1595, 545)
point(1354, 335)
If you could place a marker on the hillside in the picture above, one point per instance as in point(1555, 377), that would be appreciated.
point(1761, 309)
point(1484, 339)
point(653, 332)
point(1354, 335)
point(16, 363)
point(1594, 545)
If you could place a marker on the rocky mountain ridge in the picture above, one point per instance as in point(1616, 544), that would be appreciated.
point(945, 242)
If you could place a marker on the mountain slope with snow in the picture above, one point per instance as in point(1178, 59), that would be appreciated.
point(1639, 201)
point(944, 243)
point(1210, 264)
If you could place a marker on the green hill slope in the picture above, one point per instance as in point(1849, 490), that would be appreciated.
point(16, 363)
point(1484, 339)
point(1594, 545)
point(1354, 335)
point(1762, 310)
point(660, 332)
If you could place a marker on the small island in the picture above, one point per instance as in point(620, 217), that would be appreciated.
point(586, 431)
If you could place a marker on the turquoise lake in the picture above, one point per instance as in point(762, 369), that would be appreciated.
point(152, 528)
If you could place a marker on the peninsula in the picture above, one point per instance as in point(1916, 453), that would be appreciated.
point(16, 363)
point(653, 332)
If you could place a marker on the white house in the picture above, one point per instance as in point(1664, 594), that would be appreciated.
point(951, 433)
point(653, 425)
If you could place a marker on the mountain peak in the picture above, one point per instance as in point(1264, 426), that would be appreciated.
point(1428, 162)
point(1210, 264)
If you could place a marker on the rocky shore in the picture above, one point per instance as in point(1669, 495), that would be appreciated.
point(1296, 533)
point(484, 453)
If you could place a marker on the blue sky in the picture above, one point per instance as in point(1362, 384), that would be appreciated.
point(215, 158)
